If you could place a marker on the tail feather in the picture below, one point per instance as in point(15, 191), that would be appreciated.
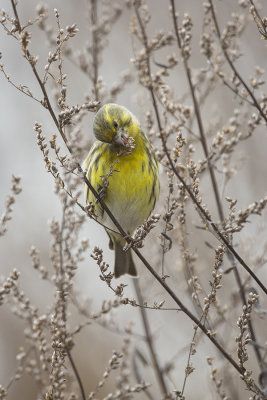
point(124, 263)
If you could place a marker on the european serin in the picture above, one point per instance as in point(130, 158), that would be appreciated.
point(125, 173)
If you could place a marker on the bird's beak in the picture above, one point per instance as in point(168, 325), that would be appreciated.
point(121, 139)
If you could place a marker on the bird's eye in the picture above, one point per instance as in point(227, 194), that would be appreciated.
point(115, 124)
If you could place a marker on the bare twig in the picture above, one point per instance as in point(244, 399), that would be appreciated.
point(150, 341)
point(95, 41)
point(76, 373)
point(259, 22)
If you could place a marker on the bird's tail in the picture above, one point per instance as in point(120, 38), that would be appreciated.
point(124, 263)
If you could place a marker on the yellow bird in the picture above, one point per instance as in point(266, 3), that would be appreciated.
point(123, 169)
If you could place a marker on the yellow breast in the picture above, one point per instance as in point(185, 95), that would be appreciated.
point(133, 184)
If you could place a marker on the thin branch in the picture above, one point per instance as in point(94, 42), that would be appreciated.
point(68, 352)
point(83, 311)
point(76, 373)
point(233, 89)
point(21, 88)
point(150, 342)
point(95, 42)
point(17, 22)
point(259, 22)
point(250, 325)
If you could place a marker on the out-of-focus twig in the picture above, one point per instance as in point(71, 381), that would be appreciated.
point(150, 342)
point(262, 27)
point(94, 19)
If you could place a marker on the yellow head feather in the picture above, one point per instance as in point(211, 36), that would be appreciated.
point(111, 120)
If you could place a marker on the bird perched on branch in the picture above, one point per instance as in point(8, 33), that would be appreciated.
point(123, 170)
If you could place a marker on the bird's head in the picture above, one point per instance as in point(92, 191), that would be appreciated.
point(115, 124)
